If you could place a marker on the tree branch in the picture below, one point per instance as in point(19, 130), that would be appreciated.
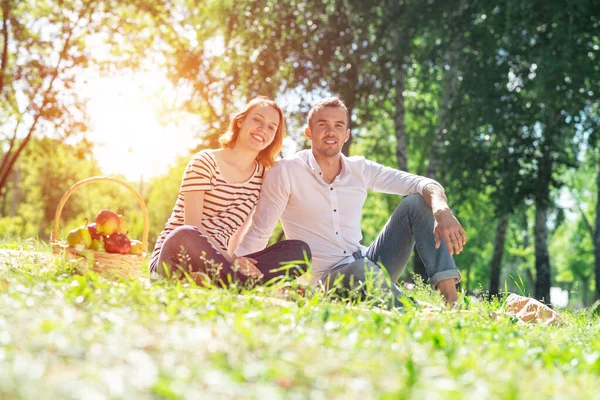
point(5, 37)
point(6, 156)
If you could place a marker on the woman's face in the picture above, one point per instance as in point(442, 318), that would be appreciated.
point(258, 129)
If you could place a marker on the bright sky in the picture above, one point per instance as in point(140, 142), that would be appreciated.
point(125, 128)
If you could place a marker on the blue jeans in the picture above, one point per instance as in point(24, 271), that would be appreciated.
point(186, 249)
point(412, 222)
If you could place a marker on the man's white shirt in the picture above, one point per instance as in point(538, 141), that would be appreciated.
point(324, 215)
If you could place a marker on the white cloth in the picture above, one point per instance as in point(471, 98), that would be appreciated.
point(326, 216)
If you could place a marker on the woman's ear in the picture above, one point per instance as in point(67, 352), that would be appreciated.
point(239, 123)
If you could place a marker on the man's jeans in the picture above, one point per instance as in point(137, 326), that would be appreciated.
point(412, 222)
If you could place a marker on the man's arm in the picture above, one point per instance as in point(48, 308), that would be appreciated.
point(446, 225)
point(274, 196)
point(390, 180)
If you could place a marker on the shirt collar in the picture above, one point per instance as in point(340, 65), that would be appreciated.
point(316, 169)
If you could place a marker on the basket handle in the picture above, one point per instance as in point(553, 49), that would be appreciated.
point(63, 200)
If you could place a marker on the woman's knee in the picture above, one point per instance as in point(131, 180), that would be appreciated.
point(301, 249)
point(181, 236)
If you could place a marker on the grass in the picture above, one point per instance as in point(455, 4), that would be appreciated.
point(64, 335)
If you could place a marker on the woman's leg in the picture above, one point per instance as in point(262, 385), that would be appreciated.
point(284, 258)
point(187, 250)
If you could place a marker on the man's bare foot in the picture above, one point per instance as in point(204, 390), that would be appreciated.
point(447, 288)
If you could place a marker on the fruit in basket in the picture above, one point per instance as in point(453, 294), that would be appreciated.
point(117, 243)
point(123, 227)
point(79, 237)
point(137, 247)
point(93, 231)
point(98, 244)
point(107, 222)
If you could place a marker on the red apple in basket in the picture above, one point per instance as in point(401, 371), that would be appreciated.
point(117, 243)
point(107, 222)
point(93, 231)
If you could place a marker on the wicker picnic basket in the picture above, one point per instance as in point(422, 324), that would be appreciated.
point(111, 265)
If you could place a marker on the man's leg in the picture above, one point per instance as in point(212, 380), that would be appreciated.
point(360, 273)
point(412, 222)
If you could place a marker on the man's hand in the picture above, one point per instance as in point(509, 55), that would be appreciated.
point(247, 266)
point(447, 226)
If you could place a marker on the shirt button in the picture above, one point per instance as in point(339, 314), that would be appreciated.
point(330, 188)
point(344, 251)
point(335, 210)
point(336, 233)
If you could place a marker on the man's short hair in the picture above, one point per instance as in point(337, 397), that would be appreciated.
point(328, 102)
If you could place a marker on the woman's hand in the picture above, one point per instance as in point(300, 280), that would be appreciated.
point(247, 266)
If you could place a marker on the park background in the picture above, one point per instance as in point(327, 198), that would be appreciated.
point(497, 100)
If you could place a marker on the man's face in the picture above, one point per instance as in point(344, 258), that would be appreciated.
point(328, 131)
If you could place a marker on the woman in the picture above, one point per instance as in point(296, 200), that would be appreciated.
point(217, 197)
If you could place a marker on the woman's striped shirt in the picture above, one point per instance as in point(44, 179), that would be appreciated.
point(226, 205)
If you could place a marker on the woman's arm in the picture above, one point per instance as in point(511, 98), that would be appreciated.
point(192, 215)
point(194, 205)
point(237, 236)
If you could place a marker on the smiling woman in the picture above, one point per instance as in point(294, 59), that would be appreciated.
point(125, 125)
point(218, 194)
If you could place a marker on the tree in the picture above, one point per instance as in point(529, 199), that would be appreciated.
point(528, 98)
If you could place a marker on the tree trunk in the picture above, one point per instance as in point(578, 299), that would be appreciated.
point(3, 196)
point(399, 123)
point(542, 259)
point(585, 290)
point(542, 204)
point(497, 257)
point(597, 236)
point(16, 194)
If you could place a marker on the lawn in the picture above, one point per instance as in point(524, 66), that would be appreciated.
point(64, 335)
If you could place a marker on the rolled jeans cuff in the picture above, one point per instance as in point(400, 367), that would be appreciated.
point(443, 275)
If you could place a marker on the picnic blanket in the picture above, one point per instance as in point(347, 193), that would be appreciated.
point(530, 311)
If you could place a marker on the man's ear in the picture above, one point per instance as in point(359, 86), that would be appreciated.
point(308, 133)
point(347, 135)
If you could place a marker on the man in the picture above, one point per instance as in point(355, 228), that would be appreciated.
point(319, 193)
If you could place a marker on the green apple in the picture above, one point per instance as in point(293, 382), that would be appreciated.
point(98, 244)
point(123, 227)
point(79, 237)
point(137, 247)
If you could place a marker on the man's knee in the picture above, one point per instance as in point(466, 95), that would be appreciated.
point(414, 201)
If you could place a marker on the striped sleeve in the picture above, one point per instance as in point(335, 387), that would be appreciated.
point(199, 174)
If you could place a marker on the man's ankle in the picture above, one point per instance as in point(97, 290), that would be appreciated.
point(447, 289)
